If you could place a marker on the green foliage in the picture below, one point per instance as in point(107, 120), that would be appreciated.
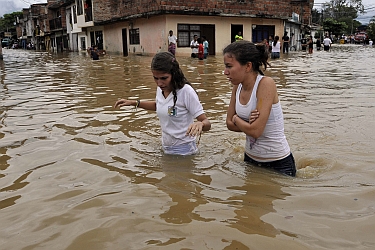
point(7, 22)
point(334, 27)
point(343, 8)
point(371, 29)
point(339, 16)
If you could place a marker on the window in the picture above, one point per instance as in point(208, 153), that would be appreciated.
point(186, 32)
point(79, 7)
point(134, 36)
point(74, 14)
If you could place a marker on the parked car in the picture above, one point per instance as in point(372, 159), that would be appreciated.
point(6, 42)
point(361, 37)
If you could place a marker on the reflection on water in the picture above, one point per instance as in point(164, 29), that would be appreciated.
point(78, 174)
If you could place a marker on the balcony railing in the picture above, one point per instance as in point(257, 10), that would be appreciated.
point(55, 24)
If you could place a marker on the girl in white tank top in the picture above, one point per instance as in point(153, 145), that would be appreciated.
point(255, 109)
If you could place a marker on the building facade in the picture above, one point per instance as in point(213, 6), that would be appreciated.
point(141, 27)
point(32, 28)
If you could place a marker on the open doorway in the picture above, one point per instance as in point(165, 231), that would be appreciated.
point(208, 30)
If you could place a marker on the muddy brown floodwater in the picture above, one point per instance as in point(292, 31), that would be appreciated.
point(77, 174)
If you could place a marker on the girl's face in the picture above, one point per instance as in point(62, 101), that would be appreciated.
point(162, 80)
point(234, 71)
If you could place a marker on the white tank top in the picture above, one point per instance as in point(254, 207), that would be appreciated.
point(272, 144)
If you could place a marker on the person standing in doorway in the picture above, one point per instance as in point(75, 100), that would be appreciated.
point(172, 42)
point(285, 39)
point(327, 43)
point(205, 47)
point(238, 37)
point(194, 47)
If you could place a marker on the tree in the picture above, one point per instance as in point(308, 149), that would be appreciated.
point(316, 16)
point(334, 27)
point(7, 22)
point(371, 29)
point(343, 11)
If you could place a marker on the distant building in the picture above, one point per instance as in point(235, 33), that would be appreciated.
point(141, 26)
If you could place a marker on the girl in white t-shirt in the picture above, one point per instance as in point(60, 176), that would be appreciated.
point(177, 106)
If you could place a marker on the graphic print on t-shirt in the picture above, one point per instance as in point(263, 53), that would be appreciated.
point(172, 111)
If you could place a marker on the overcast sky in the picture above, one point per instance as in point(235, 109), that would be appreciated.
point(9, 6)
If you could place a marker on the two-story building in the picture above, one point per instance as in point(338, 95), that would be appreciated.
point(142, 27)
point(33, 26)
point(58, 37)
point(83, 32)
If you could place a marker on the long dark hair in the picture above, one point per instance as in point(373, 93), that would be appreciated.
point(166, 62)
point(275, 40)
point(245, 51)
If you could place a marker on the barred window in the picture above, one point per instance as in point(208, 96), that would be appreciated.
point(134, 36)
point(186, 32)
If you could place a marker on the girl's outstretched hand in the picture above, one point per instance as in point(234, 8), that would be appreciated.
point(123, 102)
point(195, 129)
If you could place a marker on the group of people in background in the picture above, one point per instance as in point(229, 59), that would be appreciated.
point(307, 44)
point(275, 46)
point(199, 46)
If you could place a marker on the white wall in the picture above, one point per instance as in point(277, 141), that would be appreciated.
point(154, 32)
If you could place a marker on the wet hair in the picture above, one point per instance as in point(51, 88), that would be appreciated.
point(245, 51)
point(275, 41)
point(166, 62)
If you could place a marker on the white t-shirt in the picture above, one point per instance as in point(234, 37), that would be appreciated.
point(327, 41)
point(370, 42)
point(195, 43)
point(172, 39)
point(276, 48)
point(175, 122)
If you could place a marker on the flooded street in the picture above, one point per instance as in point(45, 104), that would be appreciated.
point(75, 173)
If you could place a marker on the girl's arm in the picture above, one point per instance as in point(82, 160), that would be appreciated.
point(266, 95)
point(231, 112)
point(148, 105)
